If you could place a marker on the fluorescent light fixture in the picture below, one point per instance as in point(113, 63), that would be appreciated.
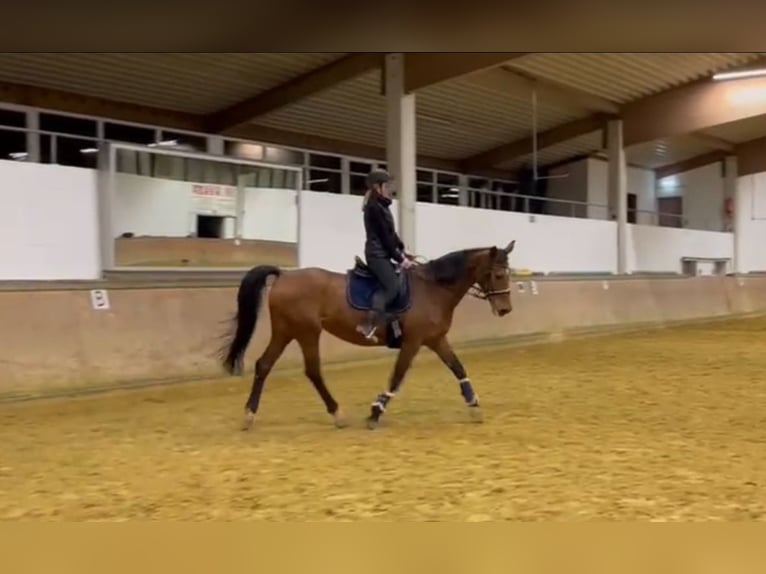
point(737, 74)
point(89, 150)
point(436, 120)
point(451, 192)
point(18, 155)
point(164, 143)
point(669, 182)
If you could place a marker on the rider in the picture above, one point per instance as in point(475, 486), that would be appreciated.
point(381, 247)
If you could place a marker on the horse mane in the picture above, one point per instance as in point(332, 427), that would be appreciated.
point(449, 268)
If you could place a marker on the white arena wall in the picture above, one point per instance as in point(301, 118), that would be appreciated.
point(51, 227)
point(150, 206)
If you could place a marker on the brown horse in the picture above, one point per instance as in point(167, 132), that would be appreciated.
point(305, 302)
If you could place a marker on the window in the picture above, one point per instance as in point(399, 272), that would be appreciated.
point(284, 156)
point(243, 150)
point(71, 141)
point(185, 141)
point(263, 178)
point(326, 161)
point(76, 152)
point(12, 118)
point(448, 195)
point(358, 184)
point(322, 180)
point(165, 166)
point(505, 201)
point(447, 179)
point(359, 167)
point(128, 134)
point(68, 125)
point(425, 192)
point(424, 176)
point(13, 145)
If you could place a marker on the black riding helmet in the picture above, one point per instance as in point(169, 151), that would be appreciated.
point(377, 176)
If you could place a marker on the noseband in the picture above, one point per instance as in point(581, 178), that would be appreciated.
point(476, 291)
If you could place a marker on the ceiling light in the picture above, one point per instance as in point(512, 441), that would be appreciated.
point(734, 75)
point(18, 155)
point(164, 143)
point(89, 150)
point(436, 120)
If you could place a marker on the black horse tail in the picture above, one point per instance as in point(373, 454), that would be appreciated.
point(248, 304)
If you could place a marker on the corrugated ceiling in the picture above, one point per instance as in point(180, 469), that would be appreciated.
point(195, 83)
point(583, 145)
point(625, 77)
point(456, 119)
point(668, 151)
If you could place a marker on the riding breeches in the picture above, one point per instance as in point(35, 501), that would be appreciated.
point(388, 279)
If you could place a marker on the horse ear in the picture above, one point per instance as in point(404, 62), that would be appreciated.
point(510, 246)
point(493, 253)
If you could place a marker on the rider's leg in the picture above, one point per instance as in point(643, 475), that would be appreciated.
point(388, 280)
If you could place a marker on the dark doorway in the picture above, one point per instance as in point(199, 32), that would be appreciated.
point(210, 226)
point(632, 207)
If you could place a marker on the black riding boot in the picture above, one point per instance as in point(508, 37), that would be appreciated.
point(374, 316)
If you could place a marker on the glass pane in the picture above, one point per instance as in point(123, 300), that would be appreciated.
point(327, 161)
point(264, 177)
point(447, 179)
point(13, 145)
point(359, 167)
point(477, 182)
point(68, 125)
point(278, 178)
point(449, 195)
point(166, 166)
point(185, 141)
point(46, 148)
point(425, 176)
point(243, 150)
point(129, 134)
point(358, 184)
point(425, 193)
point(327, 181)
point(76, 152)
point(284, 156)
point(12, 118)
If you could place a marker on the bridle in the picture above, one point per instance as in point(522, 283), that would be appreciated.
point(474, 290)
point(478, 292)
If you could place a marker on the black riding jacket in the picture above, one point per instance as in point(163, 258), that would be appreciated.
point(382, 240)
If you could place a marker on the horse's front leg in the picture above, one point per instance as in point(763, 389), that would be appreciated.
point(444, 351)
point(403, 362)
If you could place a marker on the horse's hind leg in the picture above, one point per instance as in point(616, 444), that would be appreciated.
point(309, 343)
point(279, 340)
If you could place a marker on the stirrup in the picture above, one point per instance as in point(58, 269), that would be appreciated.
point(367, 331)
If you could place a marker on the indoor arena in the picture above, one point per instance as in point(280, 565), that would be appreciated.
point(622, 234)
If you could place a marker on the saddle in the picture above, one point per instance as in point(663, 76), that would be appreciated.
point(361, 285)
point(360, 268)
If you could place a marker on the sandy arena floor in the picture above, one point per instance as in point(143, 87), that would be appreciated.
point(667, 425)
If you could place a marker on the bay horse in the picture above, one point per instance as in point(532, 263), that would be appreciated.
point(305, 302)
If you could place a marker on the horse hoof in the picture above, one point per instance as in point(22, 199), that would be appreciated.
point(372, 423)
point(476, 415)
point(340, 420)
point(248, 422)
